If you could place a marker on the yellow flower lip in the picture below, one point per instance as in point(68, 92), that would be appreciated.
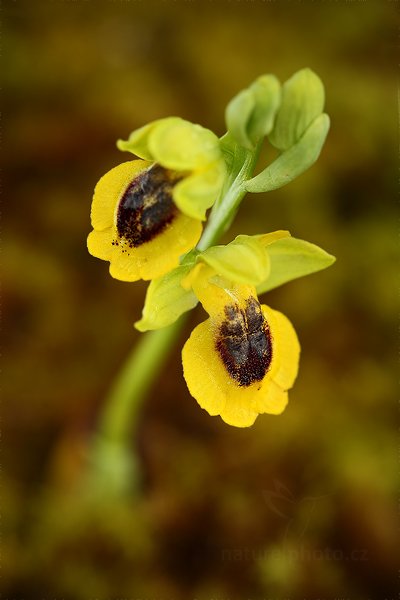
point(136, 224)
point(261, 366)
point(242, 360)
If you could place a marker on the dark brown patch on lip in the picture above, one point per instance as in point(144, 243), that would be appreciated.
point(244, 343)
point(146, 207)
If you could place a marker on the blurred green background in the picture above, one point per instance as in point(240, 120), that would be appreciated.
point(298, 506)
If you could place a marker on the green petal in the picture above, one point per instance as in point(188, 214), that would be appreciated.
point(303, 99)
point(243, 261)
point(291, 258)
point(166, 300)
point(182, 146)
point(293, 162)
point(138, 141)
point(198, 192)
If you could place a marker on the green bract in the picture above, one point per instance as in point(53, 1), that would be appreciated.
point(184, 147)
point(303, 99)
point(166, 300)
point(290, 259)
point(250, 115)
point(292, 119)
point(293, 162)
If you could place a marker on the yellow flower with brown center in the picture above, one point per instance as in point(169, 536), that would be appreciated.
point(244, 358)
point(146, 213)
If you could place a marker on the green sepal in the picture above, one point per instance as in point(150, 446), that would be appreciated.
point(174, 143)
point(293, 162)
point(166, 300)
point(250, 114)
point(244, 260)
point(291, 258)
point(190, 258)
point(138, 142)
point(303, 98)
point(183, 146)
point(273, 236)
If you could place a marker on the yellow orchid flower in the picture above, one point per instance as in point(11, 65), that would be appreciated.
point(244, 358)
point(146, 213)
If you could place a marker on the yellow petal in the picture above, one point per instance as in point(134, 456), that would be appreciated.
point(99, 243)
point(285, 348)
point(109, 190)
point(158, 256)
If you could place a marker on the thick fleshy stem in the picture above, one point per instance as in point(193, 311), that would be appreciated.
point(113, 469)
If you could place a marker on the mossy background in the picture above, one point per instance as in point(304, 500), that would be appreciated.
point(298, 506)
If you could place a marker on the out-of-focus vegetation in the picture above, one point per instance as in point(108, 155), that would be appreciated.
point(298, 506)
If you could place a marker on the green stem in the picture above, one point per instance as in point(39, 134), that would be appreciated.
point(113, 469)
point(134, 381)
point(224, 212)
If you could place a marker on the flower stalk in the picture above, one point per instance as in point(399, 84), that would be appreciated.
point(112, 460)
point(147, 217)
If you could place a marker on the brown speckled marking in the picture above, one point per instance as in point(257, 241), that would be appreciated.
point(146, 208)
point(244, 343)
